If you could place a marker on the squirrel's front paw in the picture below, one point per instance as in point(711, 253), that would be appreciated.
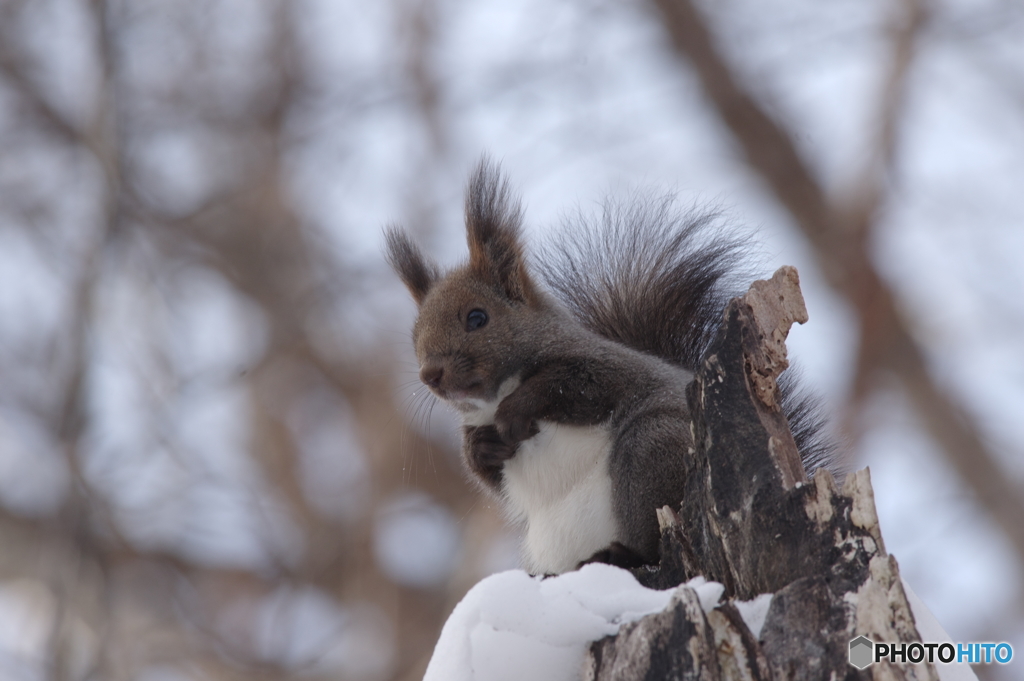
point(515, 429)
point(486, 451)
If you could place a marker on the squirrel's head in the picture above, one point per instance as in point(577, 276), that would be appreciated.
point(475, 321)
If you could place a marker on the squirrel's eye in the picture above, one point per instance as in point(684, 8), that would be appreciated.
point(475, 319)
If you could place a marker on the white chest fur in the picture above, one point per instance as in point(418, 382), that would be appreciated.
point(558, 485)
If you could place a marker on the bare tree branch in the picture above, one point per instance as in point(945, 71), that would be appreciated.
point(845, 261)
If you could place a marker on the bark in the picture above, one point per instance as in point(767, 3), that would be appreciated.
point(751, 520)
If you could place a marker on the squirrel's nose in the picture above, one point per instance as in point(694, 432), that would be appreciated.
point(431, 375)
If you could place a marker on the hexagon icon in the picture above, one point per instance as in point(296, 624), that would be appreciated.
point(861, 652)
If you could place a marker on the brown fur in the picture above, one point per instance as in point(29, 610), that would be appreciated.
point(417, 274)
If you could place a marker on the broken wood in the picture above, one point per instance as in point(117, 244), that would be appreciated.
point(752, 521)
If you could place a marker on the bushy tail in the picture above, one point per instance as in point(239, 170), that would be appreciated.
point(815, 440)
point(657, 279)
point(647, 275)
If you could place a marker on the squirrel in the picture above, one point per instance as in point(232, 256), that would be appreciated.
point(573, 399)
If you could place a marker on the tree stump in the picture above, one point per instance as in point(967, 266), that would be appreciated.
point(752, 521)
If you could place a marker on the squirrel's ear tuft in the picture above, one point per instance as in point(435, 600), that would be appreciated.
point(416, 272)
point(493, 224)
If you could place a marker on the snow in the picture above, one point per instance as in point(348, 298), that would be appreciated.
point(512, 626)
point(754, 612)
point(708, 593)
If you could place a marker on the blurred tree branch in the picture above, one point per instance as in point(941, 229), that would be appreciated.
point(841, 239)
point(248, 232)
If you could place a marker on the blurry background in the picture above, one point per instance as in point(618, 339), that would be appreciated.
point(215, 462)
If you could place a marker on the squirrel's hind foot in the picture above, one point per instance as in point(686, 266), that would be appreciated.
point(616, 554)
